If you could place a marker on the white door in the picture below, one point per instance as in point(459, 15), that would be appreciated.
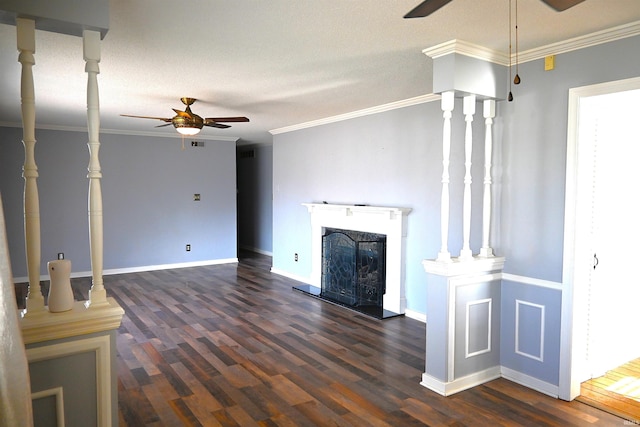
point(614, 301)
point(600, 305)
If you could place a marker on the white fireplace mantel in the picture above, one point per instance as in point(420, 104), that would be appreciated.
point(390, 221)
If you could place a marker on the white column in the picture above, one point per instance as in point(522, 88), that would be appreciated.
point(26, 37)
point(469, 109)
point(91, 44)
point(489, 113)
point(447, 104)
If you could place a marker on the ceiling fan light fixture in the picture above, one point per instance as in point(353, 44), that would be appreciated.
point(188, 130)
point(187, 123)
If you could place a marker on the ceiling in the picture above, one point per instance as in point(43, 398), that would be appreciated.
point(279, 62)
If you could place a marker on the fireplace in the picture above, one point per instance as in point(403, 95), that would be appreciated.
point(353, 269)
point(390, 222)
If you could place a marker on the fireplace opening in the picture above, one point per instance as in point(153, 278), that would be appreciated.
point(390, 222)
point(353, 272)
point(353, 268)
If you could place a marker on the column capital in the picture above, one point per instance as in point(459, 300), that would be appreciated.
point(26, 34)
point(447, 101)
point(469, 105)
point(489, 108)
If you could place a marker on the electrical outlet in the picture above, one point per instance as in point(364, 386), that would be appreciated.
point(188, 248)
point(60, 255)
point(295, 257)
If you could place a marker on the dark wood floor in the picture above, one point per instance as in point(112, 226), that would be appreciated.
point(234, 345)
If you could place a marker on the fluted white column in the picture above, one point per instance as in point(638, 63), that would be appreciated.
point(447, 103)
point(468, 109)
point(489, 112)
point(26, 37)
point(91, 45)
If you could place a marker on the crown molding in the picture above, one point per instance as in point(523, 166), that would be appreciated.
point(360, 113)
point(502, 58)
point(124, 132)
point(600, 37)
point(467, 49)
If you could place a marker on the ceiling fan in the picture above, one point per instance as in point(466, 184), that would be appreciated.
point(188, 123)
point(427, 7)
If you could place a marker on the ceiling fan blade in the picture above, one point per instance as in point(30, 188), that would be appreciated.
point(427, 7)
point(147, 117)
point(166, 124)
point(183, 113)
point(561, 5)
point(217, 125)
point(225, 119)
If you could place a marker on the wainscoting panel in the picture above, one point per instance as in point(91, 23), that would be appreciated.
point(48, 405)
point(530, 332)
point(478, 315)
point(81, 370)
point(476, 348)
point(529, 339)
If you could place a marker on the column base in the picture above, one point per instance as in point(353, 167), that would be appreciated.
point(486, 253)
point(448, 388)
point(444, 257)
point(97, 298)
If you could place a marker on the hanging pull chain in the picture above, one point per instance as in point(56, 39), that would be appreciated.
point(516, 80)
point(510, 97)
point(596, 261)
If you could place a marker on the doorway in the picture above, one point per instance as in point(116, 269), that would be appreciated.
point(600, 288)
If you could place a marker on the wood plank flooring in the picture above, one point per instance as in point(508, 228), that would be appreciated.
point(618, 391)
point(234, 345)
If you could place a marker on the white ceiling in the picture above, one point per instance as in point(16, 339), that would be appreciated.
point(278, 62)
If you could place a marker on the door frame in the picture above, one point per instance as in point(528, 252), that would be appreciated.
point(572, 335)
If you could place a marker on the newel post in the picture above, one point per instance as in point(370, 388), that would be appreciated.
point(26, 31)
point(489, 113)
point(91, 47)
point(447, 103)
point(469, 109)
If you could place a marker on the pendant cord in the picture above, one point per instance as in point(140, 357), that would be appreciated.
point(517, 61)
point(510, 97)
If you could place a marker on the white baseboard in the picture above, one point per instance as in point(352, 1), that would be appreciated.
point(449, 388)
point(530, 382)
point(291, 276)
point(461, 384)
point(416, 315)
point(139, 269)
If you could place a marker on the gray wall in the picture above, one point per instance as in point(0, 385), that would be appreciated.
point(148, 185)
